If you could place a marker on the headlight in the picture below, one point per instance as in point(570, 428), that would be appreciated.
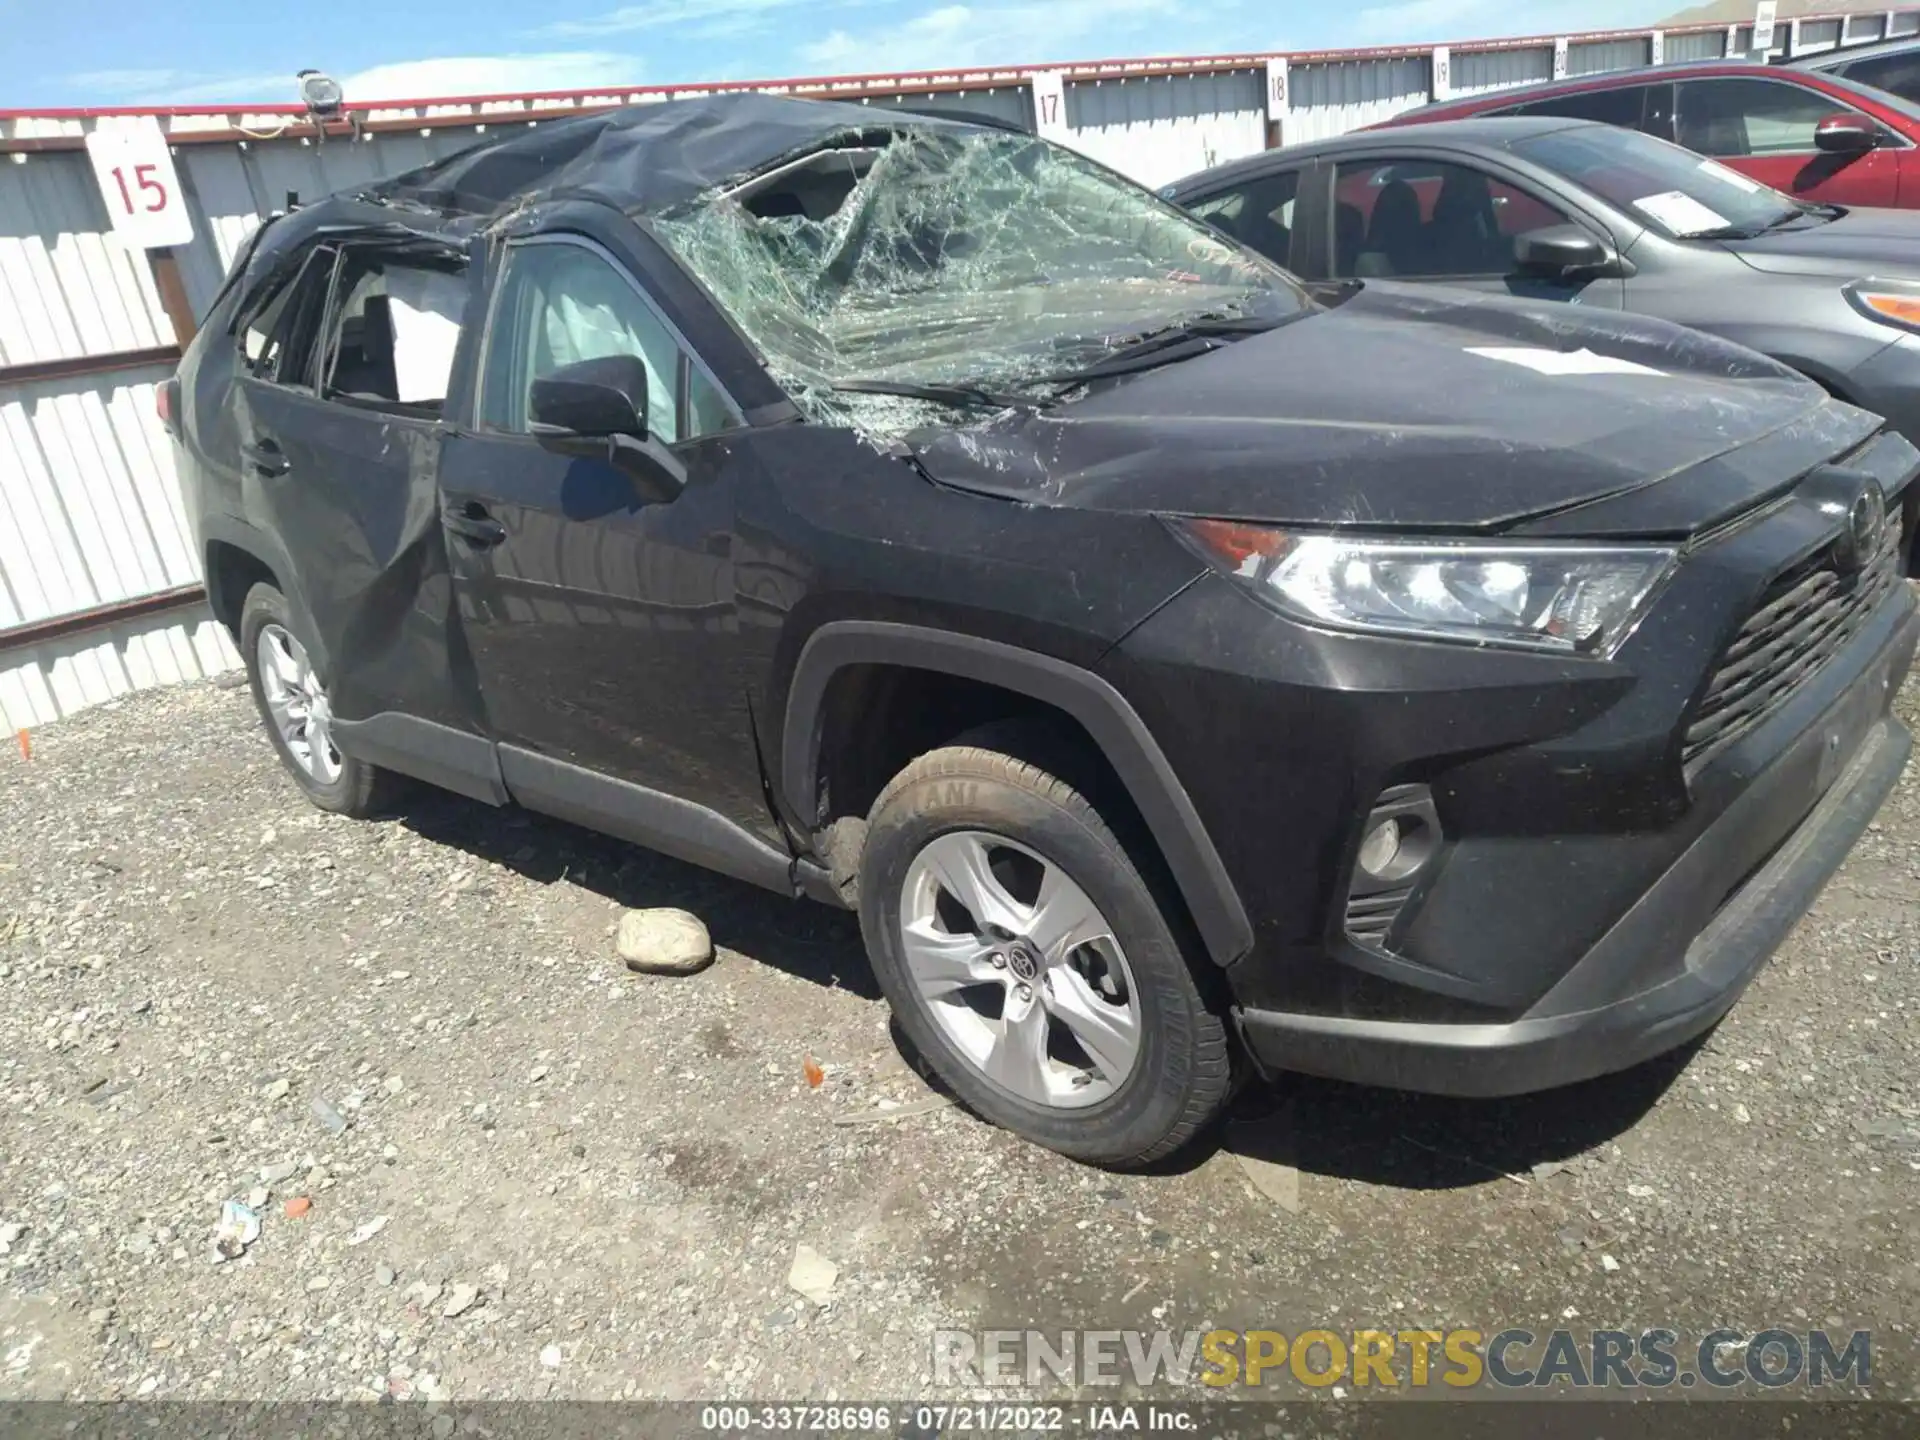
point(1581, 599)
point(1891, 302)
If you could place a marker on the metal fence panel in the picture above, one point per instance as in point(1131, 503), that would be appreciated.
point(41, 683)
point(68, 287)
point(1158, 128)
point(1333, 97)
point(87, 481)
point(1817, 35)
point(1694, 45)
point(1475, 71)
point(1591, 57)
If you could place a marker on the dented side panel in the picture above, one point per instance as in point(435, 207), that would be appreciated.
point(357, 509)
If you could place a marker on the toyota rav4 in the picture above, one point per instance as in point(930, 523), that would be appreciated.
point(1181, 673)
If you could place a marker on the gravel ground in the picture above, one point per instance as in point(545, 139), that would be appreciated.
point(526, 1172)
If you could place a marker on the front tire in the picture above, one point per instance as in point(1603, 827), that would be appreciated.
point(1030, 963)
point(293, 701)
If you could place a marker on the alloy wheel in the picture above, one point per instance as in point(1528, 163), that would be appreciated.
point(298, 703)
point(1020, 969)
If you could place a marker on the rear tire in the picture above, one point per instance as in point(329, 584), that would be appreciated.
point(1112, 1054)
point(293, 702)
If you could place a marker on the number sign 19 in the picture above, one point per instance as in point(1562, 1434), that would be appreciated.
point(139, 187)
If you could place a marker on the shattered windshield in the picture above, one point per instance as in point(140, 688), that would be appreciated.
point(985, 259)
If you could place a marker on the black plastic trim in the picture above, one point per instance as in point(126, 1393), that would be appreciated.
point(454, 760)
point(680, 828)
point(1105, 714)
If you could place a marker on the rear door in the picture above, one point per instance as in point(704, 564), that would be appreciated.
point(1765, 128)
point(337, 413)
point(1409, 216)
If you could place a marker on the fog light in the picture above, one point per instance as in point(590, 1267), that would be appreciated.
point(1381, 848)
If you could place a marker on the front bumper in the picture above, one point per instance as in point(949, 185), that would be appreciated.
point(1678, 978)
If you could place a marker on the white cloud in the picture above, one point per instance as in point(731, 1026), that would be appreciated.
point(960, 36)
point(445, 77)
point(662, 14)
point(452, 76)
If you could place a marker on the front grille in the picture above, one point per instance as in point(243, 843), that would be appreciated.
point(1806, 617)
point(1370, 917)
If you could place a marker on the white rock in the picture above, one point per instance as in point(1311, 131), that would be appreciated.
point(550, 1357)
point(1609, 1264)
point(368, 1230)
point(460, 1299)
point(664, 942)
point(1741, 1115)
point(812, 1275)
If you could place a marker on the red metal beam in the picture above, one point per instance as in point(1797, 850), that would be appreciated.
point(88, 365)
point(55, 627)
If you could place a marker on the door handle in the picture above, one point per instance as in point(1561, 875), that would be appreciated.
point(267, 457)
point(471, 522)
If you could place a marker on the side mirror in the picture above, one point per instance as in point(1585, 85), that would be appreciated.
point(607, 396)
point(599, 407)
point(1560, 252)
point(1846, 134)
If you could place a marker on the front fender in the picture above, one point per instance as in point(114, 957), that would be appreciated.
point(1100, 709)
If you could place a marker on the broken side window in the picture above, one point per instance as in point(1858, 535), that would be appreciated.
point(393, 330)
point(276, 331)
point(930, 256)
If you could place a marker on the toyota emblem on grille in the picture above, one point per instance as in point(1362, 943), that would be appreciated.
point(1865, 518)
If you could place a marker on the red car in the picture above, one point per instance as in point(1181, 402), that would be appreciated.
point(1816, 136)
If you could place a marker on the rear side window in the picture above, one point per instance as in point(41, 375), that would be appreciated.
point(1738, 117)
point(391, 336)
point(560, 303)
point(1625, 106)
point(1258, 213)
point(1897, 73)
point(278, 330)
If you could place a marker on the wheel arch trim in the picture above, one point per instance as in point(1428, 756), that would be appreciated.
point(1101, 710)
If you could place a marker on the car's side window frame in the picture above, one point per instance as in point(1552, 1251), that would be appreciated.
point(1575, 213)
point(1244, 185)
point(1891, 139)
point(1376, 159)
point(687, 363)
point(307, 313)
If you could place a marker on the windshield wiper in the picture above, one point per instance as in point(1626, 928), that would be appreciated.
point(1753, 232)
point(972, 396)
point(1176, 342)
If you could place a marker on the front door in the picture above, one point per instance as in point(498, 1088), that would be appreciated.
point(1765, 129)
point(603, 625)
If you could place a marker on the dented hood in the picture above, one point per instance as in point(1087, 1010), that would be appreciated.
point(1424, 409)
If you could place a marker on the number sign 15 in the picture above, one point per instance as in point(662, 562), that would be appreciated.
point(139, 186)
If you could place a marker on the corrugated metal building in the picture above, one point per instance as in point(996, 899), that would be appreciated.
point(99, 588)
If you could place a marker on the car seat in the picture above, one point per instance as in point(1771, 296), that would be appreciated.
point(365, 370)
point(1395, 233)
point(1464, 235)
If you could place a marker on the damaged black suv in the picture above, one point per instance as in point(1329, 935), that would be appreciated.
point(1180, 672)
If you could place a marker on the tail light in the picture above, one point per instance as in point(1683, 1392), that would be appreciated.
point(166, 402)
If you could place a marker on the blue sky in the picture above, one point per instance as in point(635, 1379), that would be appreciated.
point(132, 52)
